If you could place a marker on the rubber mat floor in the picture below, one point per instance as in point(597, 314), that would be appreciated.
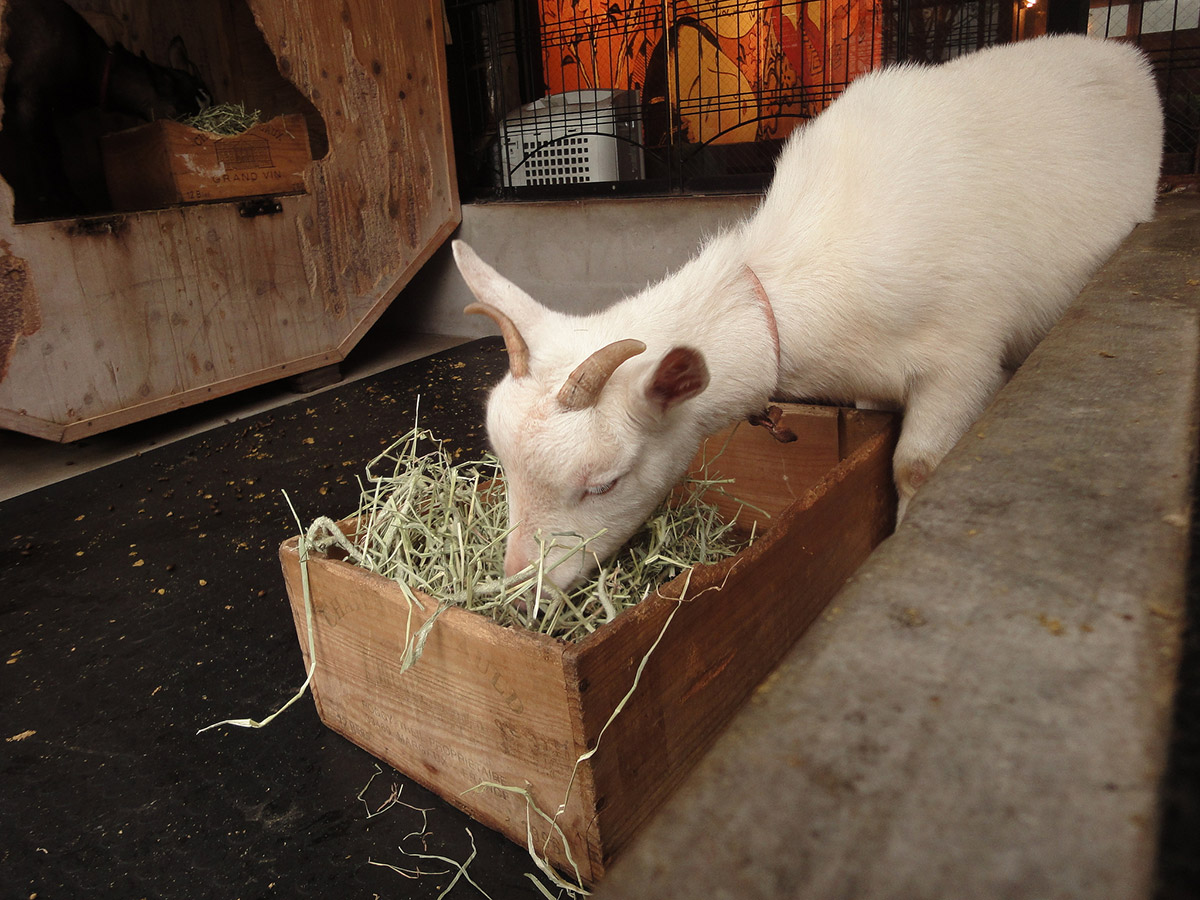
point(143, 601)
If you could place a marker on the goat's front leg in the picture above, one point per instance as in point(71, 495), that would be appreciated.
point(938, 412)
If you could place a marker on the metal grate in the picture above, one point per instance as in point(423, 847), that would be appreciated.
point(569, 161)
point(930, 31)
point(717, 85)
point(720, 83)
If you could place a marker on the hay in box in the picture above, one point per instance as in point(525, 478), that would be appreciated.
point(492, 705)
point(439, 528)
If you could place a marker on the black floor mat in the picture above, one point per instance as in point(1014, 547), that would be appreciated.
point(143, 601)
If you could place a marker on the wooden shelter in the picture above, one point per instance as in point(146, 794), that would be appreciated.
point(110, 318)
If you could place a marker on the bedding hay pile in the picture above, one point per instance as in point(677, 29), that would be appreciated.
point(225, 119)
point(440, 528)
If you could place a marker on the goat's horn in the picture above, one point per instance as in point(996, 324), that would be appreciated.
point(518, 350)
point(582, 388)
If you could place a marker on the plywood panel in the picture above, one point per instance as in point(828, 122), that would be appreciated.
point(376, 73)
point(106, 321)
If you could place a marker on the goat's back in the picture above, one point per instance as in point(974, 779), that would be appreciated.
point(974, 198)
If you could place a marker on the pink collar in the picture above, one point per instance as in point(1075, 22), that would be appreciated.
point(761, 294)
point(771, 417)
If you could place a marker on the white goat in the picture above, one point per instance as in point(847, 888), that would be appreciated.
point(920, 236)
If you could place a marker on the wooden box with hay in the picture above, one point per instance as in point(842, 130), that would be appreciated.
point(165, 163)
point(569, 746)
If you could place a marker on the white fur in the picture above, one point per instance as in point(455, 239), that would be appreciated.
point(919, 238)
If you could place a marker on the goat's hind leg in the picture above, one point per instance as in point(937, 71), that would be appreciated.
point(938, 412)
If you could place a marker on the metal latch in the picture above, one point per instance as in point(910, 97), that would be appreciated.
point(259, 206)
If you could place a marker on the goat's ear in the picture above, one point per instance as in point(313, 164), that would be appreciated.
point(681, 375)
point(490, 287)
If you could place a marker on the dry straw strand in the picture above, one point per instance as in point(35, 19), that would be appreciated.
point(304, 546)
point(458, 868)
point(225, 119)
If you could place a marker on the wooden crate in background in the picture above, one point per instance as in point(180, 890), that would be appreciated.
point(163, 163)
point(487, 704)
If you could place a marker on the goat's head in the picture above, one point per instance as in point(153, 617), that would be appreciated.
point(592, 430)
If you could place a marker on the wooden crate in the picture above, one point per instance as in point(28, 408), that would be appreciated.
point(164, 163)
point(490, 704)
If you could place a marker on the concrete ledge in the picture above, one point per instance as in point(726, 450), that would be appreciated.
point(984, 710)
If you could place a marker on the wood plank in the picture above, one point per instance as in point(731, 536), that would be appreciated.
point(770, 475)
point(164, 311)
point(390, 167)
point(21, 420)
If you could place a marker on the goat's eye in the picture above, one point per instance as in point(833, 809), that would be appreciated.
point(596, 489)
